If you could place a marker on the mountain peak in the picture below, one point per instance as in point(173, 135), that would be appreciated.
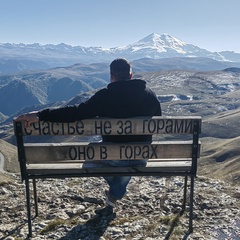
point(163, 40)
point(164, 43)
point(152, 38)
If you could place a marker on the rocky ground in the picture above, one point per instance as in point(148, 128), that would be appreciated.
point(67, 210)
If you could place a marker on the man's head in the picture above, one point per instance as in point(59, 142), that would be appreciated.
point(120, 70)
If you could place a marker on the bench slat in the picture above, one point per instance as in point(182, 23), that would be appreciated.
point(57, 152)
point(111, 126)
point(77, 168)
point(97, 161)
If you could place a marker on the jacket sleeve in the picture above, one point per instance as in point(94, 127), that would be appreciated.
point(158, 110)
point(91, 108)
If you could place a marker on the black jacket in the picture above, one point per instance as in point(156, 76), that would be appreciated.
point(124, 99)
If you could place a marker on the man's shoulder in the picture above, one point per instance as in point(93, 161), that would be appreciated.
point(101, 92)
point(138, 80)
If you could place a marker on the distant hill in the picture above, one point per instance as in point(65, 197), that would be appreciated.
point(223, 125)
point(63, 83)
point(220, 159)
point(43, 87)
point(183, 63)
point(14, 65)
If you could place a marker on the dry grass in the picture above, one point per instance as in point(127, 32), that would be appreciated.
point(6, 179)
point(53, 225)
point(121, 221)
point(220, 159)
point(10, 155)
point(56, 223)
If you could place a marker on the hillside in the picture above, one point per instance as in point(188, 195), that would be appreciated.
point(43, 87)
point(220, 159)
point(8, 162)
point(202, 79)
point(9, 153)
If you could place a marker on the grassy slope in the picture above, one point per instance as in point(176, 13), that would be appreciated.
point(220, 159)
point(11, 163)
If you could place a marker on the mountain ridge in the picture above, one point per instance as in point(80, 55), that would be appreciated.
point(152, 46)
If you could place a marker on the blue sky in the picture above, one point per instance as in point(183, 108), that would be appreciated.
point(209, 24)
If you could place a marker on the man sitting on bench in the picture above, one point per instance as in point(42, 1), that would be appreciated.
point(124, 97)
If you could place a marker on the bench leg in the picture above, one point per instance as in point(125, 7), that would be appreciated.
point(184, 194)
point(191, 205)
point(28, 208)
point(35, 197)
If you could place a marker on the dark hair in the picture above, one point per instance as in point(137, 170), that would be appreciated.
point(120, 68)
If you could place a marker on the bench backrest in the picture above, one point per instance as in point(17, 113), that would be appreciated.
point(167, 150)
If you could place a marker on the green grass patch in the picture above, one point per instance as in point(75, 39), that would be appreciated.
point(121, 221)
point(170, 219)
point(53, 225)
point(56, 223)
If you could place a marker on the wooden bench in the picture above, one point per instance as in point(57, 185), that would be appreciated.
point(175, 153)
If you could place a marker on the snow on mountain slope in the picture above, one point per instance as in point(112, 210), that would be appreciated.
point(160, 43)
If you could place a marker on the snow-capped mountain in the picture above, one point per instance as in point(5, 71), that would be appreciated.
point(162, 46)
point(158, 43)
point(152, 46)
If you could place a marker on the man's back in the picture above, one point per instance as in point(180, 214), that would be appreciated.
point(127, 99)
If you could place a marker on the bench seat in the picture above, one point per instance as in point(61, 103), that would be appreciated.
point(71, 169)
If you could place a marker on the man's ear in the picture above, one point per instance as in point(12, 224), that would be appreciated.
point(130, 76)
point(111, 77)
